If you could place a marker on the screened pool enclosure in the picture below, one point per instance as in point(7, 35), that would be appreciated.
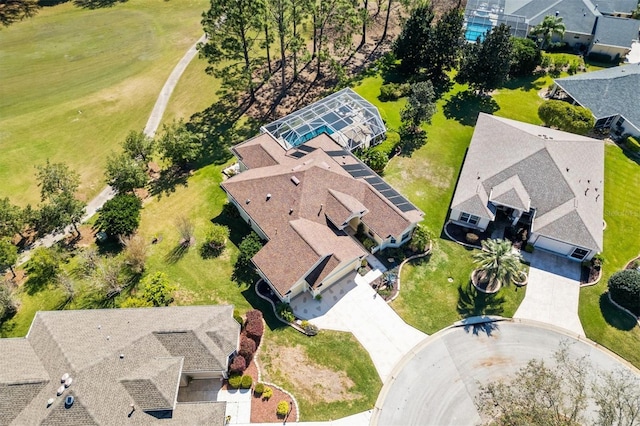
point(345, 116)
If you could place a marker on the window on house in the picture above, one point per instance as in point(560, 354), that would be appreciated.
point(620, 121)
point(393, 240)
point(469, 218)
point(405, 236)
point(579, 253)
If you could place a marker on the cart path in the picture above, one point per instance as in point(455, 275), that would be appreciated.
point(150, 130)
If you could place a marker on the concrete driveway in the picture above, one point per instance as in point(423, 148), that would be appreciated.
point(350, 305)
point(553, 292)
point(438, 382)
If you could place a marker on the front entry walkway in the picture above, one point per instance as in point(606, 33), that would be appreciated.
point(352, 305)
point(553, 292)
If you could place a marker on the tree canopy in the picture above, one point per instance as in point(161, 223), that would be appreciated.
point(485, 64)
point(157, 289)
point(545, 30)
point(420, 106)
point(8, 255)
point(179, 145)
point(566, 117)
point(497, 263)
point(525, 57)
point(413, 42)
point(138, 146)
point(120, 215)
point(124, 173)
point(624, 288)
point(11, 219)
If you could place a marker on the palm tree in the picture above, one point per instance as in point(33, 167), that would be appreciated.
point(498, 265)
point(549, 26)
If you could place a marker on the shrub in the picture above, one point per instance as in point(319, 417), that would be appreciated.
point(120, 215)
point(525, 57)
point(420, 239)
point(283, 408)
point(238, 365)
point(157, 289)
point(238, 317)
point(394, 91)
point(215, 241)
point(268, 392)
point(8, 306)
point(369, 244)
point(247, 381)
point(284, 311)
point(529, 248)
point(247, 348)
point(624, 287)
point(259, 389)
point(597, 261)
point(254, 326)
point(309, 329)
point(632, 143)
point(566, 117)
point(235, 381)
point(472, 238)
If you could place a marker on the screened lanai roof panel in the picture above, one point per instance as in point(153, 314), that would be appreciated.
point(349, 118)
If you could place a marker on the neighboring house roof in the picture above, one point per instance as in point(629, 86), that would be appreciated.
point(115, 358)
point(612, 7)
point(301, 204)
point(607, 92)
point(619, 32)
point(560, 174)
point(578, 16)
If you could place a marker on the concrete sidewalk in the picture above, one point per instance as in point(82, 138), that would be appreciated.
point(352, 305)
point(553, 292)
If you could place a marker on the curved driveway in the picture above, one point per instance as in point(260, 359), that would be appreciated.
point(437, 382)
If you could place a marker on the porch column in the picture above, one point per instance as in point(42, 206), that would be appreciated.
point(517, 214)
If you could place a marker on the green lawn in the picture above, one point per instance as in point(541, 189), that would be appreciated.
point(601, 321)
point(434, 291)
point(75, 81)
point(339, 379)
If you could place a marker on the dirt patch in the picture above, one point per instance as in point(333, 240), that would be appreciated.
point(312, 381)
point(185, 297)
point(493, 361)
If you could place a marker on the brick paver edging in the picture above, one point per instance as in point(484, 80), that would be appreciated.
point(293, 398)
point(623, 308)
point(416, 256)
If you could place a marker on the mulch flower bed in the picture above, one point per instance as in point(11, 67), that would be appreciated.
point(633, 264)
point(589, 274)
point(264, 411)
point(459, 234)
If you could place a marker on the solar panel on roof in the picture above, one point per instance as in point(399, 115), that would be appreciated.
point(375, 180)
point(306, 148)
point(407, 207)
point(298, 154)
point(349, 167)
point(339, 153)
point(359, 173)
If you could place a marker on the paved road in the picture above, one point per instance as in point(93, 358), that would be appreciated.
point(350, 305)
point(438, 382)
point(150, 130)
point(553, 292)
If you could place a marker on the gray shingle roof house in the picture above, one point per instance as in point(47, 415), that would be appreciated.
point(530, 174)
point(307, 202)
point(601, 27)
point(115, 358)
point(612, 95)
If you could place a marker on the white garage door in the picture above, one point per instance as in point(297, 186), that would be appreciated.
point(554, 246)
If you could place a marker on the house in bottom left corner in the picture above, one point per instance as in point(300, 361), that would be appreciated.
point(117, 366)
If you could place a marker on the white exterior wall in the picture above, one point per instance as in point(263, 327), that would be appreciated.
point(557, 247)
point(577, 38)
point(482, 223)
point(246, 218)
point(628, 128)
point(612, 51)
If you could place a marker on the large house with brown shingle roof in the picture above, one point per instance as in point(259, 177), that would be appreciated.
point(308, 202)
point(122, 366)
point(546, 180)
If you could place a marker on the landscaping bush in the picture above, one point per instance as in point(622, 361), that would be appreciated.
point(247, 381)
point(420, 239)
point(472, 238)
point(247, 348)
point(235, 380)
point(529, 248)
point(268, 393)
point(238, 317)
point(600, 57)
point(309, 329)
point(283, 408)
point(238, 365)
point(632, 143)
point(369, 244)
point(566, 117)
point(285, 311)
point(394, 91)
point(259, 389)
point(254, 327)
point(624, 288)
point(525, 57)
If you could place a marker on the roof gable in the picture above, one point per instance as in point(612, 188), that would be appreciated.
point(154, 386)
point(571, 229)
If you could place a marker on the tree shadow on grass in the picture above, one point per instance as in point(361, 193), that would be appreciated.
point(238, 228)
point(530, 82)
point(615, 317)
point(474, 303)
point(168, 181)
point(464, 107)
point(96, 4)
point(176, 253)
